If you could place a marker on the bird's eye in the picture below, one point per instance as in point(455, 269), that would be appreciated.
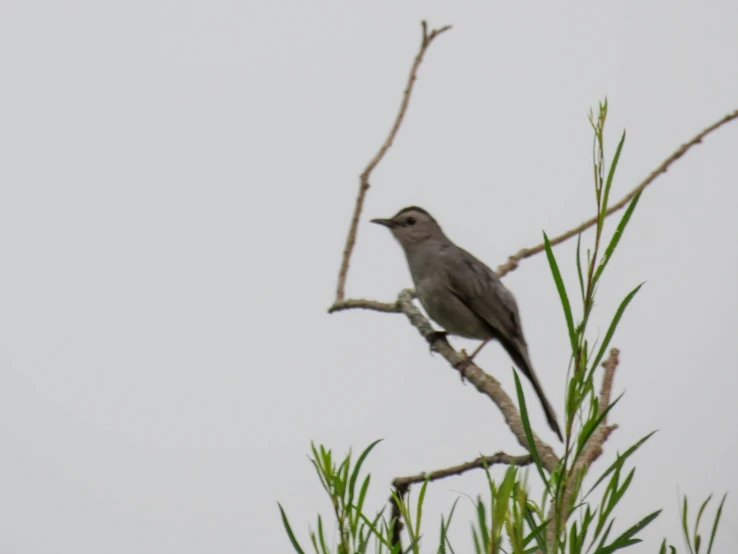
point(410, 221)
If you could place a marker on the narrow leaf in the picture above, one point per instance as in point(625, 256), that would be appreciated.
point(321, 535)
point(685, 528)
point(619, 460)
point(528, 431)
point(616, 237)
point(697, 521)
point(610, 176)
point(357, 467)
point(561, 288)
point(579, 265)
point(614, 324)
point(421, 497)
point(715, 524)
point(626, 538)
point(290, 534)
point(591, 426)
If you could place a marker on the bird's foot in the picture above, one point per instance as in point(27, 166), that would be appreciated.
point(433, 337)
point(462, 365)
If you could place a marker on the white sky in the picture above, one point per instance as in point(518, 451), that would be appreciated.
point(177, 181)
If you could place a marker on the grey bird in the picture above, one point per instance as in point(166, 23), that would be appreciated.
point(462, 294)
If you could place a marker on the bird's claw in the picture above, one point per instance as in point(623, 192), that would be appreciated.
point(463, 364)
point(433, 337)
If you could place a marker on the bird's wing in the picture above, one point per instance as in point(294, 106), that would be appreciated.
point(477, 286)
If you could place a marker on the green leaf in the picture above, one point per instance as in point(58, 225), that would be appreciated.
point(538, 531)
point(359, 504)
point(561, 288)
point(290, 534)
point(616, 237)
point(617, 546)
point(697, 521)
point(501, 504)
point(528, 431)
point(421, 497)
point(537, 534)
point(483, 529)
point(445, 524)
point(613, 325)
point(604, 537)
point(715, 524)
point(621, 491)
point(626, 539)
point(442, 540)
point(685, 528)
point(620, 459)
point(412, 546)
point(606, 501)
point(608, 183)
point(477, 545)
point(579, 266)
point(314, 540)
point(342, 481)
point(321, 536)
point(591, 426)
point(357, 468)
point(373, 527)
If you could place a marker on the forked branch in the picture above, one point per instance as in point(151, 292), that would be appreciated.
point(426, 41)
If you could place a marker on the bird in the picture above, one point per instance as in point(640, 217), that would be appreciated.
point(462, 294)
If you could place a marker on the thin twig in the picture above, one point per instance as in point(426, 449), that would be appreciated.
point(484, 383)
point(513, 260)
point(401, 483)
point(364, 178)
point(361, 303)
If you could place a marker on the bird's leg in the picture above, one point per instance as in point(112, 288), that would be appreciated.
point(464, 364)
point(433, 337)
point(477, 350)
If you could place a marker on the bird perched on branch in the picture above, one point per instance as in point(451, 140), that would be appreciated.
point(462, 294)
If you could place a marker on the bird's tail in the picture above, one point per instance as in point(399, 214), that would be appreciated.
point(520, 357)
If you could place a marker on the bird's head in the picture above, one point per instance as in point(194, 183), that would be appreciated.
point(412, 226)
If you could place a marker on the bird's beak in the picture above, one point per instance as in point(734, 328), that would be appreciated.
point(386, 222)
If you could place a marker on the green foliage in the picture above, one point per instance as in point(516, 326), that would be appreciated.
point(566, 520)
point(339, 482)
point(694, 540)
point(591, 530)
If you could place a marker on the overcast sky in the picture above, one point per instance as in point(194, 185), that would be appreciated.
point(177, 180)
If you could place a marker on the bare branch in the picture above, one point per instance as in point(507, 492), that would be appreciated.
point(364, 178)
point(402, 483)
point(610, 365)
point(484, 383)
point(513, 260)
point(396, 517)
point(363, 304)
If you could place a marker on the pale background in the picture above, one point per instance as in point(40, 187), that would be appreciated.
point(177, 179)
